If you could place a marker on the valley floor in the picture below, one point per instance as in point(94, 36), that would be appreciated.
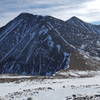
point(57, 88)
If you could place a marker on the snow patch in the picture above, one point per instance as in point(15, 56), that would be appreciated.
point(58, 47)
point(43, 30)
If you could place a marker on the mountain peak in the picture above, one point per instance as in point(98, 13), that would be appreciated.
point(25, 15)
point(78, 22)
point(74, 19)
point(29, 17)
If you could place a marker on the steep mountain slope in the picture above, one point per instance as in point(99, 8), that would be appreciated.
point(84, 25)
point(42, 45)
point(27, 47)
point(84, 36)
point(86, 44)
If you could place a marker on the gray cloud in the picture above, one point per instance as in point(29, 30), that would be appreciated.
point(63, 9)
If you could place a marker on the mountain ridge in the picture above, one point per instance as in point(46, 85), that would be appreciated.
point(30, 41)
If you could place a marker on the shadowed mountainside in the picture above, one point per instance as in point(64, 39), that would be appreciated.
point(42, 45)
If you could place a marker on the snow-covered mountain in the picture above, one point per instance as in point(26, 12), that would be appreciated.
point(42, 45)
point(84, 25)
point(29, 45)
point(85, 36)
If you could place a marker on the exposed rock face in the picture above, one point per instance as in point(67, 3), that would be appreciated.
point(85, 36)
point(27, 47)
point(42, 45)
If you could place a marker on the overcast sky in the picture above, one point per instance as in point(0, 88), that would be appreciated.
point(87, 10)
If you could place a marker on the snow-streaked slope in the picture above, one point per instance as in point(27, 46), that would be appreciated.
point(29, 48)
point(42, 45)
point(83, 36)
point(84, 25)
